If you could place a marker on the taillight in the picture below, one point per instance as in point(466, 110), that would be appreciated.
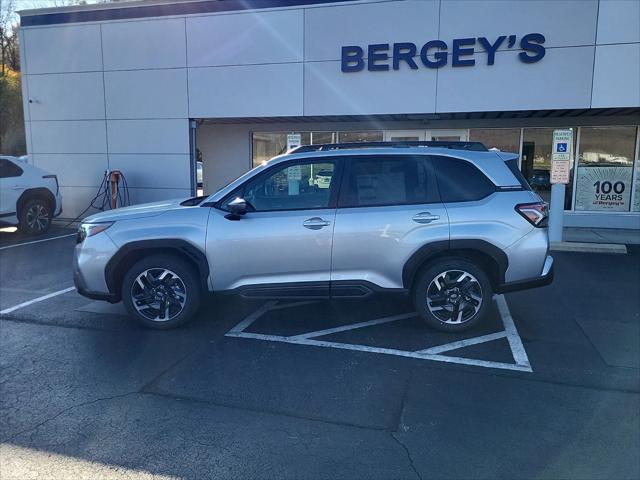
point(55, 177)
point(535, 213)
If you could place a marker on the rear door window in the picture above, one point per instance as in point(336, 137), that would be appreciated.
point(9, 169)
point(513, 167)
point(461, 181)
point(387, 180)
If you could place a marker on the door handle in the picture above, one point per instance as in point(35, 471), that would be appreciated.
point(425, 217)
point(315, 223)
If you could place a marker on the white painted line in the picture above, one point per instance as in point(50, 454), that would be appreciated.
point(35, 300)
point(515, 342)
point(385, 351)
point(432, 353)
point(462, 343)
point(253, 317)
point(291, 305)
point(353, 326)
point(37, 241)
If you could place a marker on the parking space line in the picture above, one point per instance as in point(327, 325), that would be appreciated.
point(382, 350)
point(462, 343)
point(433, 353)
point(515, 342)
point(37, 241)
point(35, 300)
point(253, 317)
point(345, 328)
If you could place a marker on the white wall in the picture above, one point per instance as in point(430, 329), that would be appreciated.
point(118, 94)
point(109, 96)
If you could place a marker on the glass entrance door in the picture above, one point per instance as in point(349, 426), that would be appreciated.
point(439, 135)
point(457, 135)
point(404, 136)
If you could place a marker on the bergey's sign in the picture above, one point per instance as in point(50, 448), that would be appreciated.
point(435, 53)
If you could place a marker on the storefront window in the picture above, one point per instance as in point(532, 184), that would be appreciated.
point(636, 202)
point(319, 138)
point(352, 137)
point(268, 145)
point(605, 168)
point(504, 139)
point(536, 162)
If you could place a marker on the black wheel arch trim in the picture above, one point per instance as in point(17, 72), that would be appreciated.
point(185, 249)
point(435, 249)
point(40, 192)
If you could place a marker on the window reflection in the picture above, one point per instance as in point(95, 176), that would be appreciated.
point(357, 137)
point(605, 168)
point(504, 139)
point(302, 186)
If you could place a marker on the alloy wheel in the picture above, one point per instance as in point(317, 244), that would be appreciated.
point(158, 294)
point(37, 217)
point(454, 296)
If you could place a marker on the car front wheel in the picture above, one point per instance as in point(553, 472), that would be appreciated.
point(161, 292)
point(35, 217)
point(453, 295)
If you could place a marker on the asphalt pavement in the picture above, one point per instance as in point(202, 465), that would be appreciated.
point(549, 387)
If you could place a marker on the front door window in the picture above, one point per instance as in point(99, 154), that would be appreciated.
point(291, 187)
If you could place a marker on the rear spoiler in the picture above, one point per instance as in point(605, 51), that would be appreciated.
point(512, 161)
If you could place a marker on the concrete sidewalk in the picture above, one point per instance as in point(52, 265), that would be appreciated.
point(601, 235)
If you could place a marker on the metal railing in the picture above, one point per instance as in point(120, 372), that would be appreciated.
point(474, 146)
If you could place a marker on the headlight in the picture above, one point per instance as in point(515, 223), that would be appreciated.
point(91, 229)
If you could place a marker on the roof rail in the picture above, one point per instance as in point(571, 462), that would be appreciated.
point(475, 146)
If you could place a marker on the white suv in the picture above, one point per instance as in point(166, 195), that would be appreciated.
point(29, 196)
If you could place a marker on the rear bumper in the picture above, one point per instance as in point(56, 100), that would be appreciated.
point(544, 279)
point(58, 210)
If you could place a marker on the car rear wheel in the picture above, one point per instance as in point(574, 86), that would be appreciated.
point(161, 292)
point(453, 295)
point(35, 217)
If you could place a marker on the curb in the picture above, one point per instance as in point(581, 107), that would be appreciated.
point(612, 248)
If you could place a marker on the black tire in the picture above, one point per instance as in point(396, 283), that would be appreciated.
point(35, 217)
point(171, 289)
point(464, 295)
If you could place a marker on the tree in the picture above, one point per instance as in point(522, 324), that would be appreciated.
point(12, 138)
point(7, 22)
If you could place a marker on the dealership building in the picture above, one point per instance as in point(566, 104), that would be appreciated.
point(149, 88)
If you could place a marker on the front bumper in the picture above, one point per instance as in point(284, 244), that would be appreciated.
point(89, 266)
point(82, 290)
point(544, 279)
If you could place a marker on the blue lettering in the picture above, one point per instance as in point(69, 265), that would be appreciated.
point(374, 57)
point(433, 54)
point(352, 59)
point(404, 52)
point(491, 48)
point(459, 52)
point(532, 42)
point(440, 56)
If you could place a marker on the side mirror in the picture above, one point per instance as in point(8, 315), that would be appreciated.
point(237, 208)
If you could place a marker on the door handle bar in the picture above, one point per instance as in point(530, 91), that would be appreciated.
point(425, 217)
point(315, 223)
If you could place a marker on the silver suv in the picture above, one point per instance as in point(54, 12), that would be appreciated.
point(451, 224)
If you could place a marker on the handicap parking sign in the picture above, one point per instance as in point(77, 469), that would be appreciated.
point(561, 147)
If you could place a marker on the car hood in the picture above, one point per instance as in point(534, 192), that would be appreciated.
point(136, 211)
